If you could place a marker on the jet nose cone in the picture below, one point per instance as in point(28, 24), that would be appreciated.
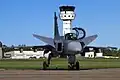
point(74, 46)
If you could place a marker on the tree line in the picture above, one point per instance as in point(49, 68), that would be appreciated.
point(111, 52)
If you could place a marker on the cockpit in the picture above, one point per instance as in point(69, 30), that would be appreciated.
point(78, 33)
point(70, 36)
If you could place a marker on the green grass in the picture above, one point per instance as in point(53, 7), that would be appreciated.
point(100, 63)
point(59, 63)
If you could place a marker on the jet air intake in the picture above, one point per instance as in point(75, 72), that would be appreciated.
point(59, 46)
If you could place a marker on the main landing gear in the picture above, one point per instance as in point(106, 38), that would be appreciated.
point(46, 64)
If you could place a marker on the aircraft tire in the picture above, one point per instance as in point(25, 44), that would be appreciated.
point(77, 65)
point(44, 65)
point(71, 67)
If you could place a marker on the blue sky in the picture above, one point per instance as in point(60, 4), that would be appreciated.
point(19, 19)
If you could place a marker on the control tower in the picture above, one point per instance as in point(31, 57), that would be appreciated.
point(67, 15)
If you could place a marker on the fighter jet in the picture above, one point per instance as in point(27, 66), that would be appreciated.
point(69, 45)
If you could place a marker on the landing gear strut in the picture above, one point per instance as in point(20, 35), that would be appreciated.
point(74, 66)
point(77, 65)
point(72, 63)
point(46, 64)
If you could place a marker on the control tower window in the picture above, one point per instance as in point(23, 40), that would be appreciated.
point(67, 8)
point(70, 36)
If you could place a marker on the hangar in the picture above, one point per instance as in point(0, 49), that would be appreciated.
point(22, 52)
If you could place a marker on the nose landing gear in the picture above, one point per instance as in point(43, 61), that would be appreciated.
point(74, 66)
point(72, 63)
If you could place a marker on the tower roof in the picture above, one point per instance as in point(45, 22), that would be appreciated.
point(67, 8)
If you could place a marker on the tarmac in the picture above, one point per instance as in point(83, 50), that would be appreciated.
point(93, 74)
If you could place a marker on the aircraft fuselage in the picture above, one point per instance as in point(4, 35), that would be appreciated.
point(72, 47)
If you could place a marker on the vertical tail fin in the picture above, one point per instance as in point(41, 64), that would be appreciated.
point(56, 32)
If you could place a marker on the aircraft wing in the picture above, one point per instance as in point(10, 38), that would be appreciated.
point(89, 39)
point(47, 40)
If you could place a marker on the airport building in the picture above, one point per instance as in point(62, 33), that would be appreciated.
point(25, 53)
point(67, 14)
point(1, 51)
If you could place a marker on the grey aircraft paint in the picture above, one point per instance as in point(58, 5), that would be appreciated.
point(66, 46)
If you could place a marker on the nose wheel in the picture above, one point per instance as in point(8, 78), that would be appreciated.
point(74, 66)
